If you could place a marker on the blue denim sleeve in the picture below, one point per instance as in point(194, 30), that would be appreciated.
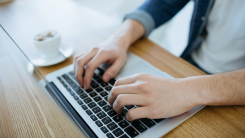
point(154, 13)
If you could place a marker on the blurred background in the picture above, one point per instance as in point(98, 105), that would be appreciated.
point(172, 35)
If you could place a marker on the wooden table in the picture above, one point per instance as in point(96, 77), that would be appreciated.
point(26, 110)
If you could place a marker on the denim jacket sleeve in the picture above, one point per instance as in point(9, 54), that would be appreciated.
point(154, 13)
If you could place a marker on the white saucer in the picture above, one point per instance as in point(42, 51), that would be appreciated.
point(65, 52)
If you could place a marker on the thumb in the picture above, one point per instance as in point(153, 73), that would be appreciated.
point(112, 71)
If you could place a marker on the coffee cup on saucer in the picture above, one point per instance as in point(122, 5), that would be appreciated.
point(50, 49)
point(48, 43)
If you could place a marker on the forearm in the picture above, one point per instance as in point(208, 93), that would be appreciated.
point(129, 32)
point(220, 89)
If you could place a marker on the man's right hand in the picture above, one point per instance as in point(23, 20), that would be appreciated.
point(108, 51)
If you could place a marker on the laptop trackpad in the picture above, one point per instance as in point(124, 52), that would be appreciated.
point(140, 67)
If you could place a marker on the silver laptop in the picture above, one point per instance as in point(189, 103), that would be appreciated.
point(91, 111)
point(93, 108)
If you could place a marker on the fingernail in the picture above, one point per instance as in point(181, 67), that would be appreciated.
point(107, 77)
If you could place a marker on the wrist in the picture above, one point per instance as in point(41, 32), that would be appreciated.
point(198, 88)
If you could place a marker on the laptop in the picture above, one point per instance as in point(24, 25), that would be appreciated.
point(90, 109)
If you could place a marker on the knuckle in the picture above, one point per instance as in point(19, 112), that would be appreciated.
point(95, 49)
point(153, 114)
point(80, 62)
point(114, 92)
point(120, 100)
point(117, 82)
point(143, 75)
point(143, 86)
point(90, 66)
point(102, 51)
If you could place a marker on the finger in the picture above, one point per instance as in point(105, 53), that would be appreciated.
point(123, 89)
point(112, 71)
point(80, 63)
point(127, 80)
point(91, 66)
point(137, 113)
point(74, 62)
point(127, 99)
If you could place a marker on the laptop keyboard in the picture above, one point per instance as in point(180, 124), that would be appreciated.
point(94, 102)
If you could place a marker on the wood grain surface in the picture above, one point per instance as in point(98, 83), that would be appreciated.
point(27, 111)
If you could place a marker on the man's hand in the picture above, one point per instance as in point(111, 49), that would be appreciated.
point(109, 52)
point(156, 97)
point(113, 50)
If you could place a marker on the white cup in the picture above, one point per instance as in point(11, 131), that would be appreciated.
point(48, 43)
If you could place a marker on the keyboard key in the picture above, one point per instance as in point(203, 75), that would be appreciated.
point(65, 85)
point(103, 94)
point(98, 123)
point(88, 100)
point(88, 112)
point(106, 120)
point(84, 107)
point(104, 129)
point(102, 103)
point(108, 88)
point(96, 110)
point(131, 131)
point(117, 132)
point(93, 94)
point(123, 124)
point(89, 90)
point(65, 76)
point(139, 126)
point(76, 97)
point(101, 115)
point(107, 108)
point(72, 93)
point(97, 98)
point(79, 92)
point(111, 113)
point(159, 120)
point(109, 135)
point(117, 118)
point(129, 106)
point(79, 102)
point(96, 76)
point(103, 84)
point(71, 73)
point(93, 117)
point(84, 95)
point(106, 98)
point(99, 89)
point(68, 89)
point(92, 105)
point(112, 81)
point(62, 81)
point(76, 88)
point(101, 73)
point(148, 122)
point(94, 85)
point(99, 80)
point(73, 85)
point(124, 136)
point(124, 112)
point(112, 126)
point(69, 81)
point(92, 82)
